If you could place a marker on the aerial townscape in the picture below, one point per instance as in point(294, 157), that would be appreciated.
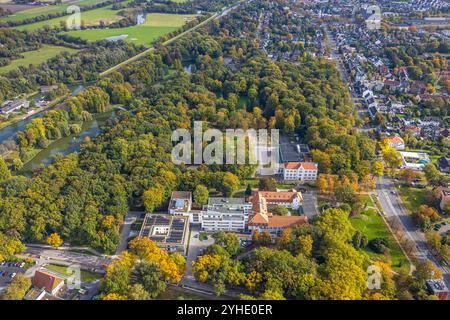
point(349, 195)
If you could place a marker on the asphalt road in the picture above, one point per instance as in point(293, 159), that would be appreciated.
point(393, 207)
point(126, 228)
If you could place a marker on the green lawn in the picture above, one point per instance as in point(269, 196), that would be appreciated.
point(413, 198)
point(365, 200)
point(372, 225)
point(45, 10)
point(86, 276)
point(36, 57)
point(155, 26)
point(88, 18)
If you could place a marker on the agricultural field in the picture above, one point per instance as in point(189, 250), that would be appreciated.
point(155, 26)
point(36, 11)
point(373, 226)
point(167, 20)
point(88, 18)
point(36, 57)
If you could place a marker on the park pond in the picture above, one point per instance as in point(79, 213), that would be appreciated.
point(69, 144)
point(10, 132)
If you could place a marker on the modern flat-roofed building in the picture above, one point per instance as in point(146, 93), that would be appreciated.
point(180, 203)
point(168, 231)
point(414, 160)
point(300, 171)
point(225, 214)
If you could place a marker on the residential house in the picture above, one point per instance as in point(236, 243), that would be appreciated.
point(443, 164)
point(445, 198)
point(396, 142)
point(438, 288)
point(48, 281)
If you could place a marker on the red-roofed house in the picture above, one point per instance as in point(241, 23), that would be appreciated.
point(288, 199)
point(397, 142)
point(51, 283)
point(301, 171)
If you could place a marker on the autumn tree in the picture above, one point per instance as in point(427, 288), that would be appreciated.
point(153, 198)
point(4, 171)
point(18, 287)
point(54, 240)
point(201, 195)
point(230, 184)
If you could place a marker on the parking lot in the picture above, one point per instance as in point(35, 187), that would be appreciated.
point(8, 270)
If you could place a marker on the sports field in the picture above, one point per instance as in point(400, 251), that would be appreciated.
point(88, 18)
point(36, 57)
point(155, 26)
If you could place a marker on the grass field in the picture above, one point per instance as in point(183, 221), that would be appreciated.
point(89, 18)
point(86, 276)
point(45, 10)
point(36, 57)
point(413, 198)
point(372, 225)
point(155, 26)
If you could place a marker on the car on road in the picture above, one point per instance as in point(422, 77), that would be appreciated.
point(437, 227)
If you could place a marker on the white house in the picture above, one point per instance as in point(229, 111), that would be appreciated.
point(397, 142)
point(300, 171)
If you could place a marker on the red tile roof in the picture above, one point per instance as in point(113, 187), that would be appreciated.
point(304, 165)
point(286, 221)
point(396, 139)
point(46, 280)
point(282, 196)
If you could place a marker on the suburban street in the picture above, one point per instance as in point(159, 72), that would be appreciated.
point(393, 207)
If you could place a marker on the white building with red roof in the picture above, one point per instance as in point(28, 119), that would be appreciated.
point(300, 171)
point(397, 142)
point(263, 220)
